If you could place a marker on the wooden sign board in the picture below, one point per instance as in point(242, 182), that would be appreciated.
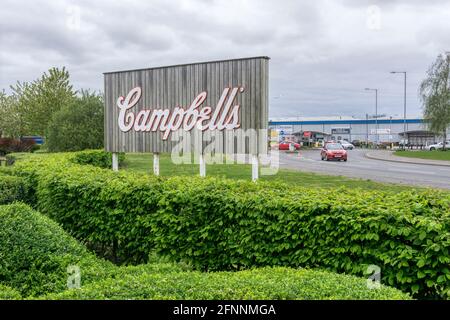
point(224, 104)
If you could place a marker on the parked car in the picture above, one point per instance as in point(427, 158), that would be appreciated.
point(333, 151)
point(346, 145)
point(438, 146)
point(356, 143)
point(404, 143)
point(38, 140)
point(285, 145)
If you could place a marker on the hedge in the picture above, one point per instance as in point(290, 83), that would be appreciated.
point(12, 188)
point(219, 224)
point(97, 158)
point(267, 283)
point(7, 293)
point(35, 253)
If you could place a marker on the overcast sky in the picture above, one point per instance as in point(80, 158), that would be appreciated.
point(323, 53)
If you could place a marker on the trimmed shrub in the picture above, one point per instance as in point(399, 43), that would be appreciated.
point(267, 283)
point(405, 234)
point(35, 253)
point(10, 159)
point(12, 188)
point(217, 224)
point(7, 293)
point(96, 158)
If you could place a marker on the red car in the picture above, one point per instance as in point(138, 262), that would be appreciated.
point(285, 145)
point(333, 151)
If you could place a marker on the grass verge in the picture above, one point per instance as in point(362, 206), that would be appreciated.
point(429, 155)
point(142, 163)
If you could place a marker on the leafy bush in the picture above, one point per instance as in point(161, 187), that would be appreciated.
point(119, 204)
point(406, 234)
point(96, 158)
point(10, 159)
point(216, 224)
point(267, 283)
point(77, 125)
point(35, 253)
point(12, 188)
point(7, 293)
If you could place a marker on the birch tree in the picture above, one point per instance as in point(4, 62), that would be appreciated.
point(435, 95)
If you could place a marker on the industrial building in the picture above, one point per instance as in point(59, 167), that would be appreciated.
point(370, 130)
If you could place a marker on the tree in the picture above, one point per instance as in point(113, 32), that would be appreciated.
point(29, 108)
point(37, 101)
point(77, 126)
point(435, 95)
point(11, 124)
point(3, 112)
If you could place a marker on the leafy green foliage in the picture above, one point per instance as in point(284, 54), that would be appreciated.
point(34, 103)
point(407, 234)
point(266, 283)
point(78, 125)
point(7, 293)
point(217, 224)
point(435, 93)
point(35, 253)
point(11, 125)
point(96, 158)
point(12, 188)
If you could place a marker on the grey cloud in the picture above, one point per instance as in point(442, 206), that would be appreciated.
point(323, 53)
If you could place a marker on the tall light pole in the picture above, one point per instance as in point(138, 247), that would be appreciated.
point(447, 53)
point(404, 107)
point(376, 114)
point(390, 131)
point(367, 130)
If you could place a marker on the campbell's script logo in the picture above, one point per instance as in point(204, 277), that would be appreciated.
point(225, 115)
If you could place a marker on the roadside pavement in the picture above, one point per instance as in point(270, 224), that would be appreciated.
point(387, 155)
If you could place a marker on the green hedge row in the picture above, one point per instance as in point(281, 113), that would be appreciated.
point(35, 253)
point(97, 158)
point(258, 284)
point(406, 235)
point(216, 224)
point(7, 293)
point(12, 188)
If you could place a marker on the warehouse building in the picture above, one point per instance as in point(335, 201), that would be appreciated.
point(383, 130)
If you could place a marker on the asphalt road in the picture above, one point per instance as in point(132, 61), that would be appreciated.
point(358, 166)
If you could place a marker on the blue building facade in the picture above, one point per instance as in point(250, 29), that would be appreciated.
point(371, 130)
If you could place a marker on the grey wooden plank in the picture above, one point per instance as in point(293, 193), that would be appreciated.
point(178, 86)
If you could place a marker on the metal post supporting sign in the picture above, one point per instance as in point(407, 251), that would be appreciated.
point(255, 167)
point(115, 161)
point(202, 165)
point(156, 164)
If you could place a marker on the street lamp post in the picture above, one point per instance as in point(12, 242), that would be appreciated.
point(390, 131)
point(367, 130)
point(404, 107)
point(376, 115)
